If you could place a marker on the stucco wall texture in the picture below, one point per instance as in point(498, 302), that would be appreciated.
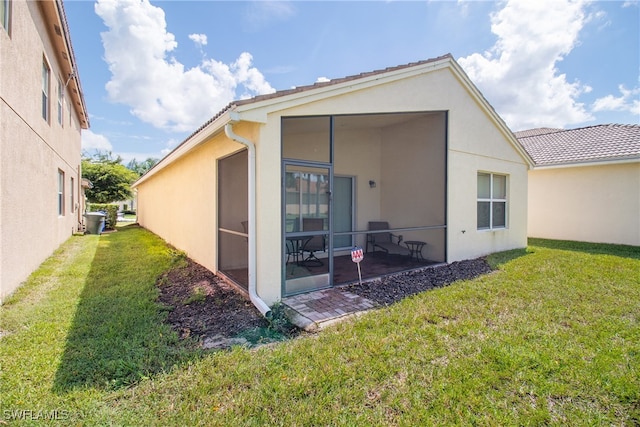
point(599, 203)
point(33, 150)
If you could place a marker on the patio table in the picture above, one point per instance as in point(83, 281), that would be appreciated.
point(415, 247)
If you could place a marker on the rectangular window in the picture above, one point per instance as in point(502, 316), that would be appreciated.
point(45, 90)
point(60, 192)
point(5, 14)
point(72, 189)
point(60, 101)
point(492, 201)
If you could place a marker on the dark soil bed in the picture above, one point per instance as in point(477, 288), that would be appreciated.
point(202, 305)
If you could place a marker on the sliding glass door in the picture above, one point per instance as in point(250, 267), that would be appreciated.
point(342, 202)
point(307, 223)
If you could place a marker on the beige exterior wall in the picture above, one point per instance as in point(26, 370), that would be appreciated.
point(476, 143)
point(33, 150)
point(180, 203)
point(587, 203)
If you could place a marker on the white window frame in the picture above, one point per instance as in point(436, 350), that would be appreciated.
point(72, 197)
point(60, 103)
point(5, 16)
point(46, 85)
point(493, 199)
point(61, 210)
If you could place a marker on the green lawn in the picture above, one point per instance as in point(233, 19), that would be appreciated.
point(551, 338)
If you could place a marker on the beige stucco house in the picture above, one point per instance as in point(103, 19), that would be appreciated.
point(585, 184)
point(275, 191)
point(42, 112)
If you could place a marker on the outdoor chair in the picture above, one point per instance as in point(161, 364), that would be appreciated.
point(314, 243)
point(386, 242)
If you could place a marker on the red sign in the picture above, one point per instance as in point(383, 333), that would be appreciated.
point(356, 254)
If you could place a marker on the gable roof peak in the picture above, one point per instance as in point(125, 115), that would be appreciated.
point(335, 81)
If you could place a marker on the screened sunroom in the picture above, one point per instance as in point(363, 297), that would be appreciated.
point(275, 192)
point(373, 181)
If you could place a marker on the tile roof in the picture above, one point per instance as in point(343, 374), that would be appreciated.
point(536, 131)
point(339, 80)
point(317, 85)
point(548, 146)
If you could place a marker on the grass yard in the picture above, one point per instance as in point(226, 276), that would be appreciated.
point(550, 338)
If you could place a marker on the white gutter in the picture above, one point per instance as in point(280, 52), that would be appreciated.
point(253, 295)
point(585, 163)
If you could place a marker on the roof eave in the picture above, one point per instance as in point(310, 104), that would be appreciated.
point(60, 36)
point(196, 139)
point(491, 112)
point(257, 110)
point(584, 163)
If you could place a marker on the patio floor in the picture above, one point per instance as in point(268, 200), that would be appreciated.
point(315, 310)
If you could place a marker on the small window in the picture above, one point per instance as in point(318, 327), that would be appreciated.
point(45, 90)
point(60, 101)
point(72, 189)
point(492, 201)
point(5, 14)
point(60, 192)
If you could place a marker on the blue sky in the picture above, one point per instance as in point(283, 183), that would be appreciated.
point(153, 72)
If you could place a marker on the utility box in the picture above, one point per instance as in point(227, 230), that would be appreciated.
point(95, 222)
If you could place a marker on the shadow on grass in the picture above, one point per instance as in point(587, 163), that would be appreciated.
point(497, 259)
point(624, 251)
point(118, 335)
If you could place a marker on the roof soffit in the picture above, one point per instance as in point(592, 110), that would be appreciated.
point(58, 31)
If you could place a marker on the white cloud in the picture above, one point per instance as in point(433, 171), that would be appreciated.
point(199, 39)
point(518, 75)
point(322, 80)
point(628, 101)
point(158, 88)
point(93, 141)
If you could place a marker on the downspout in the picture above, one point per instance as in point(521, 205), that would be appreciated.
point(253, 295)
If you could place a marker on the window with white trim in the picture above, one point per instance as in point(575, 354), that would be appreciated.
point(5, 14)
point(46, 71)
point(60, 192)
point(72, 189)
point(492, 201)
point(60, 101)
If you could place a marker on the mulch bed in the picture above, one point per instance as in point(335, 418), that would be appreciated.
point(391, 289)
point(203, 305)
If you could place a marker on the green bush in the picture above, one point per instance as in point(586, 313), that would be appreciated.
point(112, 213)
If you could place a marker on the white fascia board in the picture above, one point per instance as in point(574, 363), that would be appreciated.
point(459, 73)
point(589, 163)
point(213, 128)
point(258, 111)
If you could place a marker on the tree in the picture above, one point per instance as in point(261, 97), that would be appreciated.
point(110, 178)
point(142, 167)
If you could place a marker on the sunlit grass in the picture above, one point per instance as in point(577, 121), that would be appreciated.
point(550, 338)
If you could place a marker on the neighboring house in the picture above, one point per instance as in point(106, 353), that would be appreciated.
point(42, 112)
point(585, 185)
point(126, 205)
point(274, 191)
